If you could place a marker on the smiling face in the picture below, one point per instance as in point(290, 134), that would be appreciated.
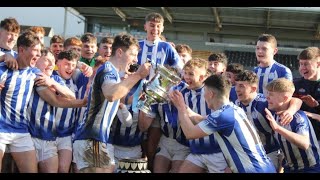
point(88, 50)
point(194, 77)
point(129, 57)
point(8, 39)
point(231, 77)
point(308, 69)
point(154, 30)
point(275, 100)
point(66, 67)
point(46, 63)
point(265, 52)
point(30, 55)
point(216, 67)
point(105, 50)
point(56, 48)
point(245, 91)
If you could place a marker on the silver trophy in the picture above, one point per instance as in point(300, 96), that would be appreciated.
point(156, 90)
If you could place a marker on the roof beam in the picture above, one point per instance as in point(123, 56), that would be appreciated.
point(120, 13)
point(268, 21)
point(317, 33)
point(167, 14)
point(217, 18)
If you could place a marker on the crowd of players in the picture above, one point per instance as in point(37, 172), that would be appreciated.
point(72, 107)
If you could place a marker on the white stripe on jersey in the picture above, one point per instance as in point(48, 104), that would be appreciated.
point(295, 149)
point(153, 56)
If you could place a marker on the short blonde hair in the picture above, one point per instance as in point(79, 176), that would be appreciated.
point(281, 85)
point(196, 62)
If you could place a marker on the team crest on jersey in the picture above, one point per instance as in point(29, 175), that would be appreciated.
point(108, 67)
point(215, 114)
point(301, 90)
point(271, 76)
point(110, 76)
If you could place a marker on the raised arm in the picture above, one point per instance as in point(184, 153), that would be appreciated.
point(44, 80)
point(119, 90)
point(287, 115)
point(302, 141)
point(189, 129)
point(58, 101)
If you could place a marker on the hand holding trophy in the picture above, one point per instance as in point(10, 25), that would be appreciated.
point(156, 90)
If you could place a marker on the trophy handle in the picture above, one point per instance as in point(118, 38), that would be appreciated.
point(144, 87)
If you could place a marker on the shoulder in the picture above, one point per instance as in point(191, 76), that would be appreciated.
point(3, 66)
point(281, 66)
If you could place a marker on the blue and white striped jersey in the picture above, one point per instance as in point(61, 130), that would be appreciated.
point(100, 112)
point(159, 52)
point(81, 82)
point(41, 115)
point(257, 115)
point(267, 74)
point(126, 136)
point(65, 117)
point(5, 51)
point(169, 122)
point(233, 95)
point(238, 140)
point(299, 159)
point(15, 97)
point(196, 101)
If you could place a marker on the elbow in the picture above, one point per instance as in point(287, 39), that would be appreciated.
point(110, 98)
point(72, 97)
point(189, 136)
point(305, 146)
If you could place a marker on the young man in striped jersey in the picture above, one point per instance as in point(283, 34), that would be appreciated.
point(269, 69)
point(235, 134)
point(42, 121)
point(15, 97)
point(92, 151)
point(297, 139)
point(253, 104)
point(175, 155)
point(158, 52)
point(9, 32)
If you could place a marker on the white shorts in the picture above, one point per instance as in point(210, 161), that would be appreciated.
point(122, 152)
point(45, 149)
point(172, 150)
point(213, 163)
point(17, 142)
point(92, 153)
point(64, 143)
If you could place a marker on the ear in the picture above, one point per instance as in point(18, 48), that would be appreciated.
point(202, 77)
point(275, 51)
point(21, 49)
point(144, 26)
point(285, 98)
point(253, 89)
point(318, 62)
